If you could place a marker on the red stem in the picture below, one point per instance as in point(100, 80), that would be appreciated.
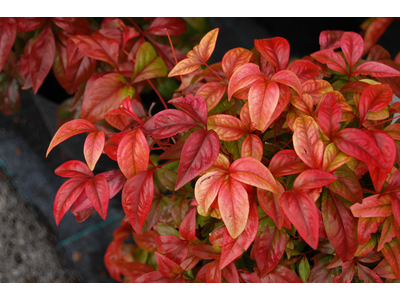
point(215, 73)
point(168, 162)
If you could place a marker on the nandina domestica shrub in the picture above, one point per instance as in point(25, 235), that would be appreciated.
point(270, 170)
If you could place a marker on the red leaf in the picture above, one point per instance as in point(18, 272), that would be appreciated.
point(8, 32)
point(70, 129)
point(79, 73)
point(395, 197)
point(394, 182)
point(133, 153)
point(233, 202)
point(333, 60)
point(281, 274)
point(250, 171)
point(132, 269)
point(187, 229)
point(276, 50)
point(206, 47)
point(67, 194)
point(165, 52)
point(366, 226)
point(307, 142)
point(269, 202)
point(387, 234)
point(383, 269)
point(300, 209)
point(97, 190)
point(194, 106)
point(375, 69)
point(304, 69)
point(263, 99)
point(374, 98)
point(146, 240)
point(167, 267)
point(286, 162)
point(228, 128)
point(112, 254)
point(329, 116)
point(373, 206)
point(212, 93)
point(154, 277)
point(205, 252)
point(288, 78)
point(330, 39)
point(252, 147)
point(74, 168)
point(167, 123)
point(233, 248)
point(352, 46)
point(347, 185)
point(207, 188)
point(340, 225)
point(358, 144)
point(41, 57)
point(213, 274)
point(198, 154)
point(93, 148)
point(116, 181)
point(312, 179)
point(175, 26)
point(269, 247)
point(230, 273)
point(348, 271)
point(242, 78)
point(374, 31)
point(111, 146)
point(137, 196)
point(391, 251)
point(98, 47)
point(30, 23)
point(233, 59)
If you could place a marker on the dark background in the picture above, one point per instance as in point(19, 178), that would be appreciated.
point(32, 247)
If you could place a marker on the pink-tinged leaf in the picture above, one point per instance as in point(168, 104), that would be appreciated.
point(276, 50)
point(205, 252)
point(269, 247)
point(147, 64)
point(366, 226)
point(352, 46)
point(374, 98)
point(207, 187)
point(168, 123)
point(228, 128)
point(132, 269)
point(388, 148)
point(347, 185)
point(187, 229)
point(250, 171)
point(98, 47)
point(70, 129)
point(283, 101)
point(137, 196)
point(195, 106)
point(286, 162)
point(133, 153)
point(8, 32)
point(340, 225)
point(373, 206)
point(216, 238)
point(358, 144)
point(233, 248)
point(212, 93)
point(235, 58)
point(348, 271)
point(288, 78)
point(30, 23)
point(230, 273)
point(312, 179)
point(329, 116)
point(111, 145)
point(67, 194)
point(333, 60)
point(168, 268)
point(252, 147)
point(263, 99)
point(93, 148)
point(383, 269)
point(97, 190)
point(41, 57)
point(213, 274)
point(307, 142)
point(391, 251)
point(104, 94)
point(330, 39)
point(269, 202)
point(185, 66)
point(304, 69)
point(116, 181)
point(112, 254)
point(375, 69)
point(74, 168)
point(198, 154)
point(242, 78)
point(316, 89)
point(245, 118)
point(166, 244)
point(387, 234)
point(281, 274)
point(374, 31)
point(300, 209)
point(233, 202)
point(154, 277)
point(175, 26)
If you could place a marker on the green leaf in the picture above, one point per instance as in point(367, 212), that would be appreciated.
point(304, 269)
point(148, 65)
